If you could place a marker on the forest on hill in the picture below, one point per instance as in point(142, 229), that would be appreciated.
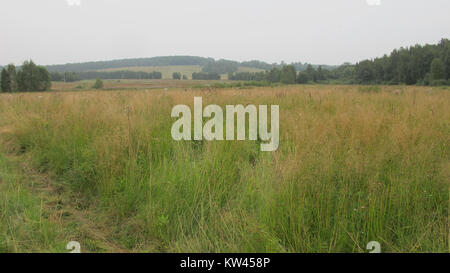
point(421, 65)
point(154, 61)
point(415, 65)
point(209, 65)
point(418, 64)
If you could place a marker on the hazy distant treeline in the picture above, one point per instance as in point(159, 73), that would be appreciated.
point(155, 61)
point(205, 76)
point(423, 65)
point(208, 65)
point(227, 67)
point(288, 74)
point(91, 75)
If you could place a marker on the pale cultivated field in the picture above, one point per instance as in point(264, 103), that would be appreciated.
point(167, 71)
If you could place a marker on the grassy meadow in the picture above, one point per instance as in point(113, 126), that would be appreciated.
point(355, 164)
point(168, 70)
point(133, 85)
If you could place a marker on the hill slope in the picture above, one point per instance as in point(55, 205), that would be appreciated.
point(207, 64)
point(141, 62)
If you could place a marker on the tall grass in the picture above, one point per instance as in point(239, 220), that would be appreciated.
point(24, 226)
point(352, 167)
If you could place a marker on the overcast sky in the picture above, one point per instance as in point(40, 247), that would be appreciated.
point(314, 31)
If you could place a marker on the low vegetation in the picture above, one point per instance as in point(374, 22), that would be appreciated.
point(355, 164)
point(98, 84)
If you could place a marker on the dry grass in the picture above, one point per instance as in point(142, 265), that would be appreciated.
point(118, 85)
point(167, 71)
point(355, 165)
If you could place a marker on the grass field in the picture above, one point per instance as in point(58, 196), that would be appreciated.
point(167, 71)
point(355, 164)
point(136, 85)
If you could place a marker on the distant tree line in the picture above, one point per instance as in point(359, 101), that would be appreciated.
point(221, 67)
point(247, 76)
point(287, 74)
point(29, 78)
point(205, 76)
point(92, 75)
point(422, 65)
point(209, 65)
point(227, 67)
point(64, 77)
point(258, 65)
point(303, 66)
point(179, 76)
point(155, 61)
point(176, 76)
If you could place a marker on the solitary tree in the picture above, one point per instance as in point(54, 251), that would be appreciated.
point(98, 84)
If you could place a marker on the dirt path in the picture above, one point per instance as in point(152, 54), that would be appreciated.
point(66, 210)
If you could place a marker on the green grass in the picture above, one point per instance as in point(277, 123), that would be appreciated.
point(24, 226)
point(352, 167)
